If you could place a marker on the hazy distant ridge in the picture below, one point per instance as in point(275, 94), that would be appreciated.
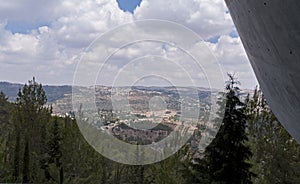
point(53, 92)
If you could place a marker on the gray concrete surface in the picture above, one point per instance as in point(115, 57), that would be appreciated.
point(270, 32)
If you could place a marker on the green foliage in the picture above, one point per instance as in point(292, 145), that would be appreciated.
point(53, 92)
point(275, 153)
point(37, 147)
point(225, 159)
point(6, 149)
point(174, 169)
point(26, 124)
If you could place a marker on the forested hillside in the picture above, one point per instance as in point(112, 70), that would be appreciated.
point(250, 147)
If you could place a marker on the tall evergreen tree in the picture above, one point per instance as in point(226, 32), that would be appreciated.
point(276, 155)
point(54, 144)
point(26, 162)
point(226, 157)
point(29, 108)
point(17, 148)
point(55, 153)
point(6, 131)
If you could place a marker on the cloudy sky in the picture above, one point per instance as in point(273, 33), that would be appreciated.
point(46, 39)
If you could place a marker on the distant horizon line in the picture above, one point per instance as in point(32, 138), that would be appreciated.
point(58, 85)
point(70, 85)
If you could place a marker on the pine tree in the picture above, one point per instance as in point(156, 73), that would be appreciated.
point(26, 162)
point(17, 120)
point(226, 157)
point(54, 144)
point(276, 156)
point(29, 109)
point(55, 153)
point(6, 131)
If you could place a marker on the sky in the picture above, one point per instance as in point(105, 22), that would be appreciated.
point(128, 5)
point(46, 39)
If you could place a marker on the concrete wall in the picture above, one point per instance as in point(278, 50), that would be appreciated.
point(270, 32)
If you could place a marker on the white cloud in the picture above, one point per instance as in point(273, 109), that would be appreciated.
point(208, 18)
point(88, 20)
point(233, 59)
point(52, 50)
point(11, 44)
point(61, 30)
point(30, 13)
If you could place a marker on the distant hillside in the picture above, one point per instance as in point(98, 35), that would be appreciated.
point(61, 96)
point(10, 89)
point(53, 92)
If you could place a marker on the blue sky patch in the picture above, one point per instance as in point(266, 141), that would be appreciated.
point(234, 34)
point(23, 27)
point(128, 5)
point(214, 39)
